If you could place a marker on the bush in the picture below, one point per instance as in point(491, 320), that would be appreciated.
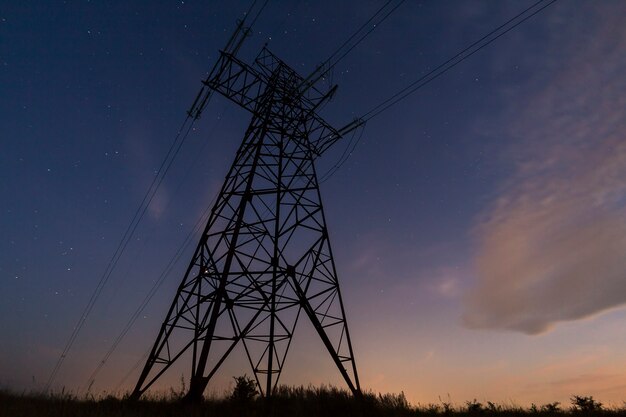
point(585, 404)
point(551, 407)
point(245, 388)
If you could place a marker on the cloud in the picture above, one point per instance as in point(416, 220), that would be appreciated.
point(159, 203)
point(552, 247)
point(447, 281)
point(144, 166)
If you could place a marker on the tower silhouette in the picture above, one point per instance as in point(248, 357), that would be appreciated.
point(264, 258)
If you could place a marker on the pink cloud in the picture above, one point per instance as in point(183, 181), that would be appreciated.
point(552, 247)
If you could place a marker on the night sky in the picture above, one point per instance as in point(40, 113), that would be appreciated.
point(479, 227)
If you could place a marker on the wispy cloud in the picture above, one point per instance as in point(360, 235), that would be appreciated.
point(552, 247)
point(144, 164)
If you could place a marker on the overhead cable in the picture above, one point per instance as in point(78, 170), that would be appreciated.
point(458, 58)
point(172, 152)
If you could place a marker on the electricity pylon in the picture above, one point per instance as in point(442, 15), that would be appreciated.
point(264, 257)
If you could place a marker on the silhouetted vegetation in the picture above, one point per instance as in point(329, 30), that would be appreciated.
point(288, 401)
point(245, 389)
point(585, 404)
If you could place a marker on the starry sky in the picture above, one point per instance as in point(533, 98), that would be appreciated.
point(479, 227)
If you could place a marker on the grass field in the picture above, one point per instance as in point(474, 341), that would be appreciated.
point(288, 401)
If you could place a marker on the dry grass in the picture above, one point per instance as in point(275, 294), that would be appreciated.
point(288, 401)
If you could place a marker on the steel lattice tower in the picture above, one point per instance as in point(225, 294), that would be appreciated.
point(264, 257)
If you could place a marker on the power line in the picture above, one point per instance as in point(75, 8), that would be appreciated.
point(157, 284)
point(131, 370)
point(328, 64)
point(321, 71)
point(141, 210)
point(258, 13)
point(347, 152)
point(162, 276)
point(233, 48)
point(128, 234)
point(151, 293)
point(374, 27)
point(433, 74)
point(358, 30)
point(455, 60)
point(394, 99)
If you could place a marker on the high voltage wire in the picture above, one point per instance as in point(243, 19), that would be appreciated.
point(258, 13)
point(455, 60)
point(366, 34)
point(322, 71)
point(347, 41)
point(153, 290)
point(383, 106)
point(328, 64)
point(157, 284)
point(187, 240)
point(374, 112)
point(139, 213)
point(347, 152)
point(128, 234)
point(185, 244)
point(437, 72)
point(131, 370)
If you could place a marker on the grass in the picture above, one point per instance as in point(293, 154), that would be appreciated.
point(288, 401)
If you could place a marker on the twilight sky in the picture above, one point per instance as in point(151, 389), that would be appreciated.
point(479, 228)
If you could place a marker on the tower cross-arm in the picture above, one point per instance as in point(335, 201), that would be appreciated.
point(243, 84)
